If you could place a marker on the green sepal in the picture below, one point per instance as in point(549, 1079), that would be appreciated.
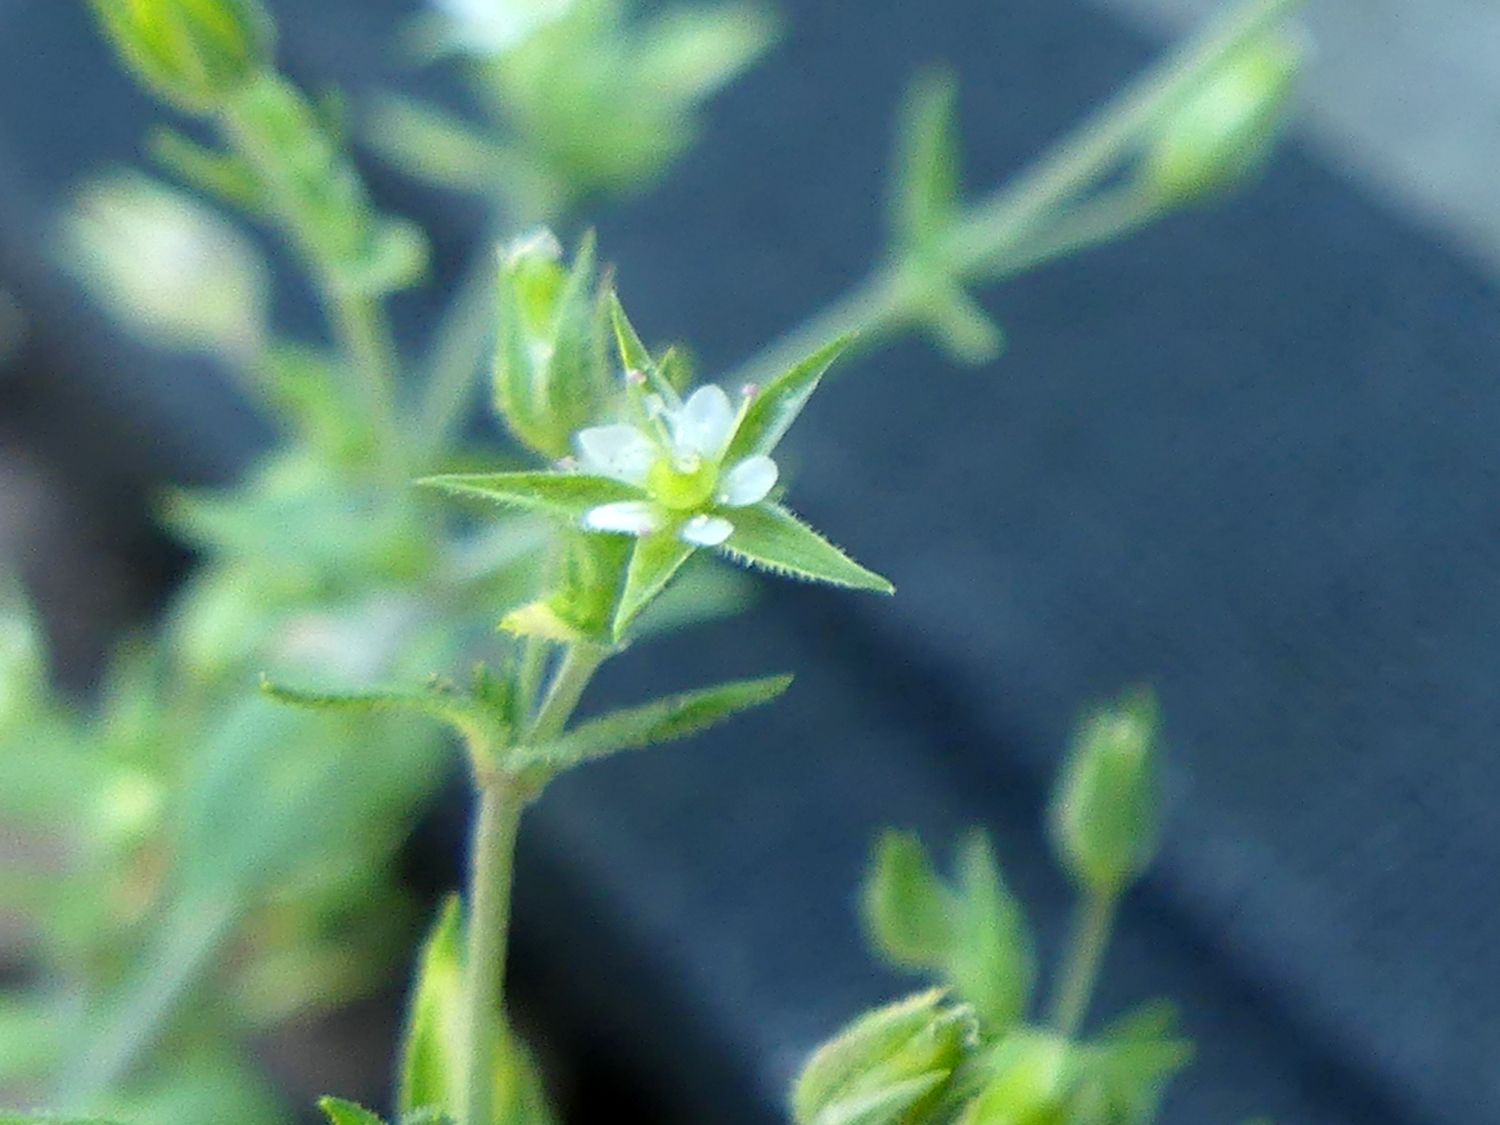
point(341, 1112)
point(992, 962)
point(884, 1064)
point(663, 720)
point(633, 353)
point(429, 1073)
point(970, 934)
point(653, 561)
point(570, 496)
point(769, 536)
point(1134, 1061)
point(484, 719)
point(924, 196)
point(906, 908)
point(775, 406)
point(584, 594)
point(1032, 1072)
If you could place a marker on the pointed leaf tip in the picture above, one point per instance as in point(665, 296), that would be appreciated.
point(777, 404)
point(769, 536)
point(341, 1112)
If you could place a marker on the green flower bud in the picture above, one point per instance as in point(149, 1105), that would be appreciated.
point(885, 1066)
point(1104, 811)
point(552, 369)
point(1227, 125)
point(195, 54)
point(1031, 1073)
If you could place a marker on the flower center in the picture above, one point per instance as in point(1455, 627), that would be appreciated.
point(683, 482)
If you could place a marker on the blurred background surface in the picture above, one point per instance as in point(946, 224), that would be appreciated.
point(1251, 457)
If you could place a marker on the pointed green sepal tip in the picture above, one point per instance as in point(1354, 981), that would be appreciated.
point(768, 536)
point(970, 933)
point(1105, 809)
point(886, 1065)
point(341, 1112)
point(773, 408)
point(430, 1062)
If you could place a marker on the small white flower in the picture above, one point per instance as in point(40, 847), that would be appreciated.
point(678, 464)
point(492, 27)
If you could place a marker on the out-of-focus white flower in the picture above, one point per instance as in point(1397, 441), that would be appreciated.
point(166, 266)
point(677, 463)
point(492, 27)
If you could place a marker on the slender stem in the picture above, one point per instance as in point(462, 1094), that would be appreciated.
point(533, 667)
point(491, 872)
point(989, 240)
point(491, 863)
point(457, 354)
point(578, 666)
point(190, 940)
point(364, 337)
point(1092, 923)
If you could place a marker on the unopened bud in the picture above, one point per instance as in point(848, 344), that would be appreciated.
point(196, 54)
point(886, 1065)
point(1030, 1080)
point(167, 267)
point(1104, 812)
point(1226, 126)
point(552, 377)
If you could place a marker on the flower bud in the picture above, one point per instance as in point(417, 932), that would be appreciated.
point(1030, 1079)
point(886, 1065)
point(1226, 125)
point(194, 53)
point(168, 267)
point(1104, 811)
point(552, 371)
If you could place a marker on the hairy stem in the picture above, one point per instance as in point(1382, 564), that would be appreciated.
point(491, 862)
point(1089, 938)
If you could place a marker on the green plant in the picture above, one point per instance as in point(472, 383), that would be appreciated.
point(217, 820)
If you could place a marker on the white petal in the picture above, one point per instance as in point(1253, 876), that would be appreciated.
point(749, 482)
point(705, 423)
point(706, 531)
point(627, 517)
point(619, 451)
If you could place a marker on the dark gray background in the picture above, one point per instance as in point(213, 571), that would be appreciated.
point(1249, 457)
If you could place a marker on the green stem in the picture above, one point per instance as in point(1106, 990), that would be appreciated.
point(458, 352)
point(578, 666)
point(365, 339)
point(991, 238)
point(1090, 936)
point(491, 863)
point(491, 873)
point(190, 940)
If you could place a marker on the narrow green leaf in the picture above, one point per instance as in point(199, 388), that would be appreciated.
point(925, 188)
point(429, 1044)
point(992, 962)
point(340, 1112)
point(769, 536)
point(568, 495)
point(904, 905)
point(653, 562)
point(676, 716)
point(222, 175)
point(776, 405)
point(482, 725)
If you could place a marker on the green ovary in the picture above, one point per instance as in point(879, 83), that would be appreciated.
point(682, 484)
